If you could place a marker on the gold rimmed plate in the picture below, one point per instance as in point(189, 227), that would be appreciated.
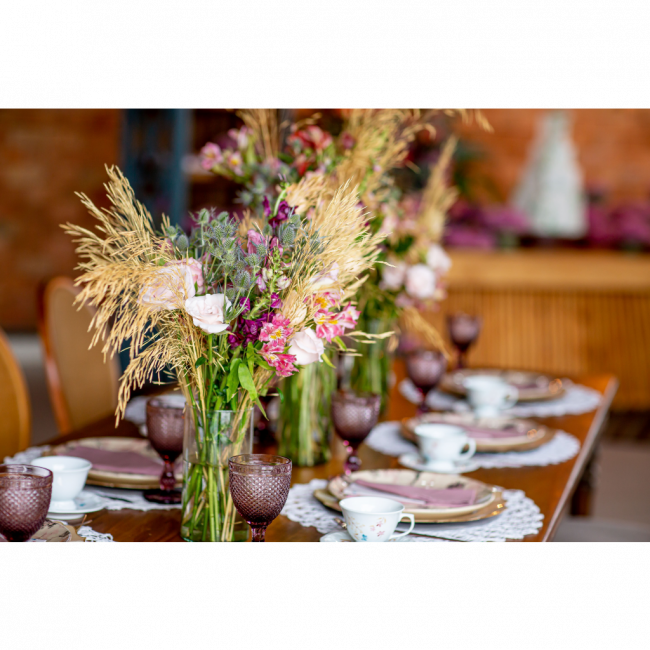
point(526, 434)
point(488, 497)
point(532, 386)
point(125, 480)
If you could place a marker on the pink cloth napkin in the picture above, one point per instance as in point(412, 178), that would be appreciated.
point(128, 462)
point(432, 497)
point(483, 432)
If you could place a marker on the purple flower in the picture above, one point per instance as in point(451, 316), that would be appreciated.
point(261, 283)
point(267, 207)
point(247, 304)
point(276, 303)
point(254, 239)
point(284, 212)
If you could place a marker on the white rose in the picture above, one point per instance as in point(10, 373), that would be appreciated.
point(207, 312)
point(306, 347)
point(392, 277)
point(438, 260)
point(325, 280)
point(169, 288)
point(420, 282)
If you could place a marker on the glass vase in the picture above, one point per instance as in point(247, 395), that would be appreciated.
point(304, 426)
point(371, 371)
point(208, 513)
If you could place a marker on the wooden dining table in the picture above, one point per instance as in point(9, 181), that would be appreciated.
point(550, 487)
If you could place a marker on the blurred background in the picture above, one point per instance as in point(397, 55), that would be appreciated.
point(549, 241)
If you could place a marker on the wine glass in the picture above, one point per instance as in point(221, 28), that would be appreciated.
point(353, 416)
point(25, 493)
point(259, 486)
point(425, 369)
point(165, 426)
point(463, 331)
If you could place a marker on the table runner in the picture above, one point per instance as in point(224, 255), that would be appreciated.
point(386, 438)
point(522, 517)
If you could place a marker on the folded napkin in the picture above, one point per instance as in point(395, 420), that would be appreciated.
point(127, 462)
point(481, 433)
point(432, 497)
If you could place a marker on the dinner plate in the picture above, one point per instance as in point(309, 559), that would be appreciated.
point(344, 536)
point(416, 462)
point(532, 386)
point(85, 503)
point(491, 509)
point(526, 434)
point(484, 493)
point(124, 480)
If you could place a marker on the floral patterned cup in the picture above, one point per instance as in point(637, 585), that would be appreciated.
point(374, 519)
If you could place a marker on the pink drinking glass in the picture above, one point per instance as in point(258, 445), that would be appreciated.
point(463, 332)
point(25, 493)
point(425, 369)
point(259, 486)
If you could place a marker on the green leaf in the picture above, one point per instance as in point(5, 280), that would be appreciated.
point(247, 383)
point(261, 361)
point(200, 361)
point(339, 340)
point(327, 361)
point(281, 395)
point(233, 379)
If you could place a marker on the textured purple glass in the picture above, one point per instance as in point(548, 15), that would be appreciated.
point(165, 428)
point(25, 493)
point(463, 331)
point(259, 485)
point(353, 416)
point(425, 369)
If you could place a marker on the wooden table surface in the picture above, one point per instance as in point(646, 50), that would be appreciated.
point(550, 487)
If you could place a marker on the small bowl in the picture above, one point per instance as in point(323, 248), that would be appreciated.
point(70, 474)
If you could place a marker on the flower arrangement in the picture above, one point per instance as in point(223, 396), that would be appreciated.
point(226, 307)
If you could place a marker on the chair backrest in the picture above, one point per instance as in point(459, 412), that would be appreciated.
point(15, 416)
point(82, 387)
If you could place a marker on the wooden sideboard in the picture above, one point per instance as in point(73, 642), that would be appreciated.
point(566, 312)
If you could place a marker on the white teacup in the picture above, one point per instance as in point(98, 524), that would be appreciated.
point(374, 519)
point(70, 474)
point(444, 445)
point(488, 395)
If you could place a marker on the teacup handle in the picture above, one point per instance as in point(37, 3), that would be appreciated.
point(511, 398)
point(471, 444)
point(412, 518)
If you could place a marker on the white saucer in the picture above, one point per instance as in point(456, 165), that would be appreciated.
point(344, 536)
point(86, 502)
point(416, 462)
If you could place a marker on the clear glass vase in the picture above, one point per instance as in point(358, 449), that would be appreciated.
point(208, 513)
point(371, 371)
point(304, 426)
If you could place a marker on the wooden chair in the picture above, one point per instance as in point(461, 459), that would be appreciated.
point(15, 420)
point(82, 387)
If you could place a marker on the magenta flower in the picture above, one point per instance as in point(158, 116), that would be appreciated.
point(347, 140)
point(328, 325)
point(277, 330)
point(276, 303)
point(255, 238)
point(267, 207)
point(349, 317)
point(210, 156)
point(284, 212)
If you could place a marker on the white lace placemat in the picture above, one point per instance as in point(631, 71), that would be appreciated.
point(91, 535)
point(522, 517)
point(115, 499)
point(577, 399)
point(386, 438)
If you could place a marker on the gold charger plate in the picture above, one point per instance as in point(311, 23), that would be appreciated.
point(493, 509)
point(487, 497)
point(532, 386)
point(527, 434)
point(123, 480)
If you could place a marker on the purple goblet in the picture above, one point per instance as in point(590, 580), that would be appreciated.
point(165, 427)
point(259, 486)
point(463, 331)
point(25, 493)
point(425, 369)
point(354, 416)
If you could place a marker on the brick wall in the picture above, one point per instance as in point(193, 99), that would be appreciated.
point(613, 149)
point(45, 156)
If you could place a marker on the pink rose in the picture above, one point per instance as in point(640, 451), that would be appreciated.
point(210, 156)
point(169, 288)
point(196, 269)
point(306, 347)
point(420, 282)
point(438, 260)
point(207, 312)
point(392, 277)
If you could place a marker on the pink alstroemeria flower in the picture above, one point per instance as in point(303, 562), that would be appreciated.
point(211, 155)
point(273, 353)
point(349, 317)
point(277, 330)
